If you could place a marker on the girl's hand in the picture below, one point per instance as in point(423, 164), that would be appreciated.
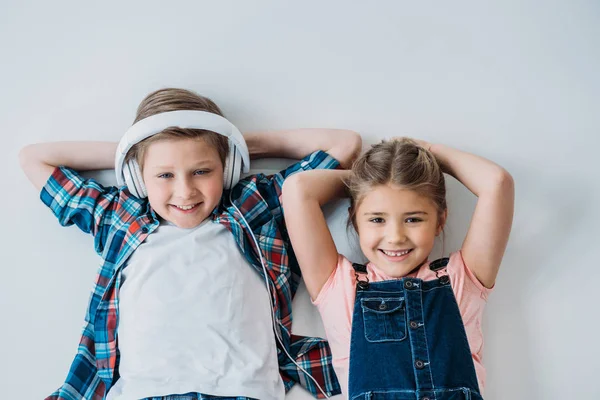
point(423, 144)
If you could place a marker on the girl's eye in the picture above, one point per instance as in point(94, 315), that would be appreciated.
point(377, 220)
point(165, 175)
point(201, 172)
point(413, 220)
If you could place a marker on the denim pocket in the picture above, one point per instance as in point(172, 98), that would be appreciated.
point(384, 318)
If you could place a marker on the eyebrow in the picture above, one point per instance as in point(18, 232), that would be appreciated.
point(375, 213)
point(196, 164)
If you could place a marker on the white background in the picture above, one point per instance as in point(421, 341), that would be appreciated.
point(514, 81)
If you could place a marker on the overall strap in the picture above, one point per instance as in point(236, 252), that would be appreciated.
point(439, 265)
point(362, 270)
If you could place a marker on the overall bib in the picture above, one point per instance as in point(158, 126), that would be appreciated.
point(408, 341)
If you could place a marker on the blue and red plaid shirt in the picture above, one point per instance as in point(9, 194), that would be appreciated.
point(120, 222)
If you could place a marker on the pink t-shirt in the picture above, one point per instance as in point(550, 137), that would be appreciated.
point(335, 302)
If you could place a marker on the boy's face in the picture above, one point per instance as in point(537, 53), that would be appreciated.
point(184, 179)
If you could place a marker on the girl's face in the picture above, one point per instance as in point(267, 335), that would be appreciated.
point(396, 228)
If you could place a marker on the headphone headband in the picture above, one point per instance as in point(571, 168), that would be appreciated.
point(189, 119)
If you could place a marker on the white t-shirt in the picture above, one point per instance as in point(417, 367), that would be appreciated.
point(194, 317)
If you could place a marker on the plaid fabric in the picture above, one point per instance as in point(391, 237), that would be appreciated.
point(120, 222)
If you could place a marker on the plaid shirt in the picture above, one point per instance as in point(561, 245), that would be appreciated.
point(120, 222)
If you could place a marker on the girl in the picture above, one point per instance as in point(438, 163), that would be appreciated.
point(403, 326)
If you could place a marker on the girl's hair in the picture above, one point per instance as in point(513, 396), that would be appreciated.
point(401, 162)
point(171, 99)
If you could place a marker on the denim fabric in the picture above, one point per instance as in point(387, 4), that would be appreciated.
point(195, 396)
point(409, 342)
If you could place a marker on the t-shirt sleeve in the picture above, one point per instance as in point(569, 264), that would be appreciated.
point(335, 301)
point(465, 282)
point(471, 297)
point(82, 202)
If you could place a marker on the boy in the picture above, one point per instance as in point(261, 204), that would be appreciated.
point(175, 309)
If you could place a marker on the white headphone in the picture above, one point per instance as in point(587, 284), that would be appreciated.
point(129, 173)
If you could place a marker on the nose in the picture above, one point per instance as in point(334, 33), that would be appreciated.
point(396, 233)
point(184, 188)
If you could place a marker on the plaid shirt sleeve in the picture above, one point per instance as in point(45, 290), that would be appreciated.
point(106, 213)
point(317, 160)
point(85, 203)
point(312, 355)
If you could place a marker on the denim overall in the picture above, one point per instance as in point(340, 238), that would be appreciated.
point(408, 341)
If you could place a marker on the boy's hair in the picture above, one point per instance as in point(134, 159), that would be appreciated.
point(171, 99)
point(401, 162)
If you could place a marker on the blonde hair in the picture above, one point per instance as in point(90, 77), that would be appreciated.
point(401, 162)
point(171, 99)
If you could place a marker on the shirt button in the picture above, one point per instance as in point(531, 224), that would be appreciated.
point(419, 364)
point(383, 306)
point(408, 284)
point(413, 324)
point(425, 398)
point(144, 230)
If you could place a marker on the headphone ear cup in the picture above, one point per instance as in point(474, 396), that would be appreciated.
point(133, 179)
point(227, 167)
point(232, 168)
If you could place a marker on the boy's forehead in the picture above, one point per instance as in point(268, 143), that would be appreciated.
point(179, 151)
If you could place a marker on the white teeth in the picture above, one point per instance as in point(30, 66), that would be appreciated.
point(395, 253)
point(186, 207)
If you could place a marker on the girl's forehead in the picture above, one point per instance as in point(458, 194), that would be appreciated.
point(388, 198)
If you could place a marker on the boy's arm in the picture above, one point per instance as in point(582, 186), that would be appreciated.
point(343, 145)
point(484, 245)
point(73, 199)
point(39, 160)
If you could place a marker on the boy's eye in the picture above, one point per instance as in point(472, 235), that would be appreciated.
point(201, 172)
point(377, 220)
point(165, 175)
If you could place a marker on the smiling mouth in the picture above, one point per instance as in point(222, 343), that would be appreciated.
point(395, 253)
point(187, 207)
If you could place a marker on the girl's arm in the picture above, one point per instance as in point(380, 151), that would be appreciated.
point(303, 195)
point(488, 232)
point(39, 160)
point(341, 144)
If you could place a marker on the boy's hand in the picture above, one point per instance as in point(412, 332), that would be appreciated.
point(343, 145)
point(39, 160)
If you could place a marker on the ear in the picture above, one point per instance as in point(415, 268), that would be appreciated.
point(442, 222)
